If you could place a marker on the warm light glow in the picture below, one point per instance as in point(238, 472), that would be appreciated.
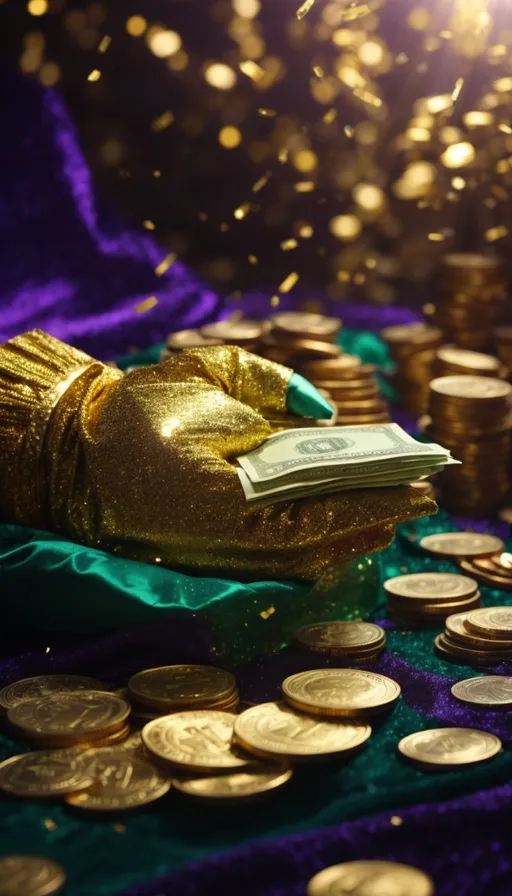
point(369, 197)
point(248, 9)
point(435, 104)
point(416, 181)
point(345, 227)
point(170, 426)
point(458, 155)
point(220, 75)
point(37, 7)
point(95, 75)
point(305, 161)
point(477, 119)
point(136, 25)
point(371, 53)
point(229, 137)
point(164, 43)
point(458, 183)
point(418, 135)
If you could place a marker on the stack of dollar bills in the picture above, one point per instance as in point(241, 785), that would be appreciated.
point(308, 461)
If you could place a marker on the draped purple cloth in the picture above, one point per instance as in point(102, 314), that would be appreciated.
point(73, 268)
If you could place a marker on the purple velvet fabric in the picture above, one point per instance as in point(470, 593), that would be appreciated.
point(71, 267)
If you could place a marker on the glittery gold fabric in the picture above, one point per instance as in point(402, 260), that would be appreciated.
point(142, 464)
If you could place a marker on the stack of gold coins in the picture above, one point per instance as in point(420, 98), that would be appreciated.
point(426, 599)
point(73, 719)
point(452, 361)
point(503, 344)
point(470, 415)
point(355, 642)
point(494, 570)
point(295, 337)
point(463, 545)
point(413, 348)
point(340, 693)
point(43, 686)
point(183, 339)
point(166, 689)
point(463, 642)
point(471, 289)
point(352, 387)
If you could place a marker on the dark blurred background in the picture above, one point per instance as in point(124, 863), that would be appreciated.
point(342, 147)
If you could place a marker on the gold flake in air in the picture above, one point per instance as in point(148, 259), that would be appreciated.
point(318, 71)
point(146, 305)
point(104, 43)
point(252, 259)
point(396, 821)
point(136, 26)
point(37, 7)
point(242, 211)
point(458, 155)
point(148, 225)
point(304, 186)
point(436, 237)
point(50, 824)
point(283, 155)
point(265, 614)
point(289, 244)
point(157, 173)
point(120, 828)
point(367, 97)
point(289, 282)
point(95, 75)
point(304, 9)
point(165, 264)
point(274, 301)
point(260, 183)
point(496, 233)
point(505, 128)
point(348, 131)
point(267, 113)
point(161, 122)
point(330, 116)
point(252, 70)
point(457, 89)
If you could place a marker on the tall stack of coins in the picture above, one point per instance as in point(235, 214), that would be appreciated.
point(354, 642)
point(503, 344)
point(471, 289)
point(453, 361)
point(463, 642)
point(156, 692)
point(426, 599)
point(470, 415)
point(413, 348)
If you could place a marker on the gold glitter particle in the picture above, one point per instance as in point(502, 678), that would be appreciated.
point(502, 85)
point(148, 225)
point(305, 161)
point(265, 614)
point(304, 186)
point(95, 75)
point(458, 155)
point(242, 211)
point(146, 305)
point(345, 227)
point(252, 259)
point(458, 183)
point(136, 26)
point(157, 173)
point(330, 116)
point(396, 821)
point(505, 128)
point(274, 301)
point(477, 119)
point(220, 76)
point(305, 231)
point(50, 824)
point(318, 71)
point(496, 233)
point(121, 828)
point(260, 183)
point(163, 121)
point(267, 113)
point(304, 9)
point(165, 264)
point(230, 137)
point(289, 244)
point(37, 7)
point(436, 237)
point(104, 43)
point(289, 282)
point(49, 74)
point(252, 70)
point(164, 43)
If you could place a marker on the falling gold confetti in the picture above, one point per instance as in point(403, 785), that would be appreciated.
point(50, 824)
point(136, 26)
point(242, 211)
point(252, 70)
point(289, 282)
point(146, 305)
point(95, 75)
point(436, 237)
point(274, 301)
point(304, 186)
point(149, 225)
point(330, 116)
point(286, 245)
point(165, 264)
point(263, 180)
point(161, 122)
point(267, 113)
point(265, 614)
point(496, 233)
point(304, 9)
point(318, 71)
point(104, 43)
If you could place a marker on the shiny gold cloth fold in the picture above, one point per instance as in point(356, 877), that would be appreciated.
point(142, 464)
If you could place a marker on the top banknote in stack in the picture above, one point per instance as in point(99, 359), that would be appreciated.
point(307, 461)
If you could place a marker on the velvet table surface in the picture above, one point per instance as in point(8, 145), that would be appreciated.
point(69, 266)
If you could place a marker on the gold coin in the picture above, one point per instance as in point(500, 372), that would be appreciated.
point(503, 563)
point(182, 687)
point(340, 692)
point(276, 731)
point(336, 368)
point(306, 324)
point(431, 586)
point(453, 651)
point(43, 685)
point(444, 608)
point(487, 690)
point(198, 740)
point(370, 877)
point(482, 573)
point(474, 388)
point(190, 339)
point(476, 361)
point(240, 331)
point(238, 786)
point(83, 742)
point(456, 628)
point(121, 780)
point(449, 747)
point(76, 714)
point(340, 637)
point(493, 622)
point(462, 544)
point(45, 773)
point(30, 876)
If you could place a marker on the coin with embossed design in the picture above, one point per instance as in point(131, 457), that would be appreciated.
point(199, 740)
point(121, 780)
point(486, 690)
point(428, 585)
point(456, 628)
point(238, 786)
point(43, 685)
point(45, 773)
point(371, 878)
point(182, 687)
point(70, 715)
point(491, 622)
point(449, 747)
point(276, 731)
point(22, 875)
point(340, 692)
point(341, 637)
point(462, 544)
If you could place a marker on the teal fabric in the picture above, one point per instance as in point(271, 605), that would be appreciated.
point(305, 400)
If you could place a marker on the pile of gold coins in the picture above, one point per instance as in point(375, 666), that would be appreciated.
point(357, 643)
point(413, 349)
point(306, 342)
point(494, 570)
point(470, 415)
point(426, 599)
point(479, 638)
point(471, 292)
